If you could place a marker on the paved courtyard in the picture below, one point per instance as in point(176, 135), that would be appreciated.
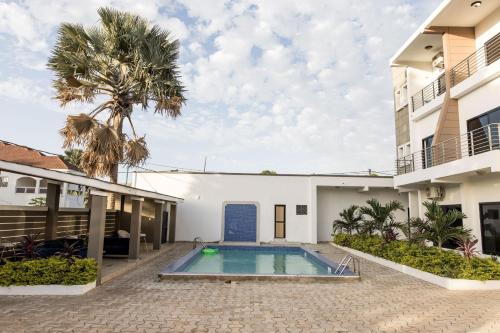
point(383, 301)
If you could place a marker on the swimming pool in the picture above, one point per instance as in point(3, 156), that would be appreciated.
point(258, 262)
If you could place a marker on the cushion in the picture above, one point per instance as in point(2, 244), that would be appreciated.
point(123, 234)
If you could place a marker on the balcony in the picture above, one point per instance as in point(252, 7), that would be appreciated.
point(478, 60)
point(429, 93)
point(473, 143)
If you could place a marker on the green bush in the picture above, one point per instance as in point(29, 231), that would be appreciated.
point(429, 259)
point(54, 270)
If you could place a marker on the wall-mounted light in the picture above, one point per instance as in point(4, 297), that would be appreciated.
point(428, 47)
point(476, 4)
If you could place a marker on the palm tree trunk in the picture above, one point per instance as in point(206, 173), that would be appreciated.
point(118, 127)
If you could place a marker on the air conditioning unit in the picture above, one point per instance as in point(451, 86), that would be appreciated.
point(435, 192)
point(438, 60)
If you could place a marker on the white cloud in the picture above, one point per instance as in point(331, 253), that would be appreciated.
point(284, 84)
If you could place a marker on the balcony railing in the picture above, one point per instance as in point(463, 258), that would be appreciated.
point(483, 57)
point(429, 93)
point(472, 143)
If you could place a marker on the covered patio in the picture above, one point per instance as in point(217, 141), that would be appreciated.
point(96, 222)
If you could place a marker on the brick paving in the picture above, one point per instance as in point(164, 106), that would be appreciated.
point(383, 301)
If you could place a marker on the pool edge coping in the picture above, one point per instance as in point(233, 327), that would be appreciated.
point(170, 271)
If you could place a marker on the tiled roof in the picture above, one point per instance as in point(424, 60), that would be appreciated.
point(11, 152)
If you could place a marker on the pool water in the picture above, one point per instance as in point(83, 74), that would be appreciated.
point(259, 260)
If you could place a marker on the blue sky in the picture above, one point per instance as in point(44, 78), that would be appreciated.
point(293, 86)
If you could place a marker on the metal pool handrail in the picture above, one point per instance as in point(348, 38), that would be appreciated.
point(345, 262)
point(197, 240)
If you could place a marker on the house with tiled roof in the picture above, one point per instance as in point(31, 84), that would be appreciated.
point(23, 190)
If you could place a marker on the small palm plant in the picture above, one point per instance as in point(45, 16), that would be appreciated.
point(381, 218)
point(413, 231)
point(438, 226)
point(350, 220)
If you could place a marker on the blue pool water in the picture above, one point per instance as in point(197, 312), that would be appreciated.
point(264, 260)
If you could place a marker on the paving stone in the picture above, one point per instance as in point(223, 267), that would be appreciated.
point(383, 301)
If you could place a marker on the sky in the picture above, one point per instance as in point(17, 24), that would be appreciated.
point(291, 86)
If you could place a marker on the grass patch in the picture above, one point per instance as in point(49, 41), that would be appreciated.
point(53, 270)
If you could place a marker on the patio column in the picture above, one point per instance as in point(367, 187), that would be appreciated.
point(135, 228)
point(158, 224)
point(53, 197)
point(96, 228)
point(172, 217)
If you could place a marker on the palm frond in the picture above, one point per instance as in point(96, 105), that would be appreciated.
point(127, 62)
point(136, 151)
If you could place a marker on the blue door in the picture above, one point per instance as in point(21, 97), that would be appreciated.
point(240, 223)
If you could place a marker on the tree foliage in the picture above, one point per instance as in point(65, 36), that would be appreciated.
point(122, 64)
point(350, 220)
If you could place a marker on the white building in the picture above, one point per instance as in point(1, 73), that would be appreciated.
point(20, 190)
point(264, 208)
point(447, 111)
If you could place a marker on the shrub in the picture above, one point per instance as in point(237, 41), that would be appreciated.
point(429, 259)
point(53, 270)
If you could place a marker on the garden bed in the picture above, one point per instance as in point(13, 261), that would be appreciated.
point(443, 268)
point(47, 290)
point(51, 276)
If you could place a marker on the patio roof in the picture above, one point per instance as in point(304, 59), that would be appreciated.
point(98, 184)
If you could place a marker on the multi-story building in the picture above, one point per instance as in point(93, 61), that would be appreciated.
point(21, 190)
point(447, 113)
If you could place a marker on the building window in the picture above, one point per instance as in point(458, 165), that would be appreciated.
point(427, 151)
point(452, 244)
point(42, 188)
point(492, 49)
point(301, 209)
point(25, 185)
point(483, 132)
point(490, 227)
point(4, 181)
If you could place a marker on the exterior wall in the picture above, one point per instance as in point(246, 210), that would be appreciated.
point(458, 44)
point(423, 128)
point(487, 28)
point(331, 201)
point(8, 195)
point(469, 194)
point(402, 119)
point(201, 213)
point(478, 102)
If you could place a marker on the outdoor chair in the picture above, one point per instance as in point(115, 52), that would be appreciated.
point(7, 246)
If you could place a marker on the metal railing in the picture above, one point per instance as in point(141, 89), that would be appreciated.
point(472, 143)
point(430, 92)
point(484, 56)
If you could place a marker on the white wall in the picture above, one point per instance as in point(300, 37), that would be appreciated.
point(478, 102)
point(331, 201)
point(469, 194)
point(423, 128)
point(201, 213)
point(8, 195)
point(487, 28)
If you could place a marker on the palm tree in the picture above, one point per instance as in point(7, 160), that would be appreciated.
point(121, 63)
point(73, 156)
point(438, 225)
point(349, 220)
point(381, 218)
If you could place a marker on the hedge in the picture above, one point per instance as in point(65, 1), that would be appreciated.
point(53, 270)
point(429, 259)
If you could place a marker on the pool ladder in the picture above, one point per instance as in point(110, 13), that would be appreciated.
point(344, 263)
point(197, 240)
